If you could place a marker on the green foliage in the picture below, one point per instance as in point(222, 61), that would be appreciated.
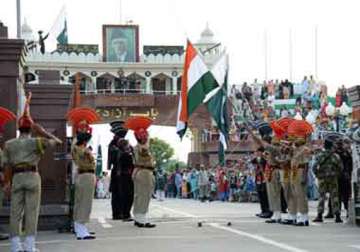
point(161, 151)
point(171, 165)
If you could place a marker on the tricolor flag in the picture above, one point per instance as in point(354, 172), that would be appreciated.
point(197, 82)
point(216, 102)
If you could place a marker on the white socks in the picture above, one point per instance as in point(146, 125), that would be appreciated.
point(16, 244)
point(276, 215)
point(29, 243)
point(81, 230)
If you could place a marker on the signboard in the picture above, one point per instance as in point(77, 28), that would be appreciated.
point(78, 48)
point(162, 50)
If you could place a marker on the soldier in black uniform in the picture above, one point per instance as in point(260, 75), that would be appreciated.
point(121, 163)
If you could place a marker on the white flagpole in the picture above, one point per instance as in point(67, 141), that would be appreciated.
point(120, 12)
point(290, 55)
point(265, 54)
point(316, 52)
point(18, 19)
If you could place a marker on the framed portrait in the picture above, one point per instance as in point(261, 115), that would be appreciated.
point(121, 43)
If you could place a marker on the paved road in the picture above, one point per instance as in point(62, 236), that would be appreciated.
point(177, 230)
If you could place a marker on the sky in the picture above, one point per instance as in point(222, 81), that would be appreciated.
point(240, 25)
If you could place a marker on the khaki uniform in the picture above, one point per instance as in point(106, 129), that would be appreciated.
point(144, 182)
point(273, 185)
point(289, 192)
point(84, 184)
point(21, 154)
point(299, 169)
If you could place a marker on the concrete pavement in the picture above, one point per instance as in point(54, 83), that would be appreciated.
point(177, 230)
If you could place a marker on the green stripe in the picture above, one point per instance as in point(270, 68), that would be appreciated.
point(199, 90)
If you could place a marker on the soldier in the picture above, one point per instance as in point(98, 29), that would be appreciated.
point(343, 150)
point(85, 163)
point(143, 177)
point(5, 117)
point(84, 185)
point(289, 193)
point(123, 171)
point(21, 156)
point(120, 160)
point(327, 171)
point(299, 170)
point(272, 175)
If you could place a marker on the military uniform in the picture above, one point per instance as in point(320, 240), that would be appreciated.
point(273, 185)
point(299, 170)
point(328, 169)
point(122, 184)
point(143, 183)
point(288, 189)
point(23, 155)
point(84, 189)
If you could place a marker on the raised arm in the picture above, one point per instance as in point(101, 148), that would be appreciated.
point(43, 133)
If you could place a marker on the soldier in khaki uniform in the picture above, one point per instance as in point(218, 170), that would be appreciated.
point(289, 193)
point(143, 176)
point(22, 156)
point(299, 170)
point(84, 185)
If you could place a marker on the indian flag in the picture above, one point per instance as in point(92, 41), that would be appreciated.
point(197, 82)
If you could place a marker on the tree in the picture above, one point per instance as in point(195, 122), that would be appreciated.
point(161, 151)
point(172, 164)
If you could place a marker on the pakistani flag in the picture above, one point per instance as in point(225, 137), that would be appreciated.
point(62, 38)
point(197, 82)
point(216, 102)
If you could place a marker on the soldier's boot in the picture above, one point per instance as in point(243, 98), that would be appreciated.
point(329, 216)
point(338, 218)
point(319, 218)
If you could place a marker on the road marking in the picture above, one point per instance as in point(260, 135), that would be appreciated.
point(238, 232)
point(355, 246)
point(103, 223)
point(258, 238)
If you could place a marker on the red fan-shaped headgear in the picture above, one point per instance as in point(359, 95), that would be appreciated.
point(139, 124)
point(5, 117)
point(279, 131)
point(300, 128)
point(81, 118)
point(285, 122)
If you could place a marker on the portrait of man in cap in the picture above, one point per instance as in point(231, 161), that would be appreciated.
point(120, 43)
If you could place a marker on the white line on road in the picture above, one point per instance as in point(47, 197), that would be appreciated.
point(258, 238)
point(238, 232)
point(355, 246)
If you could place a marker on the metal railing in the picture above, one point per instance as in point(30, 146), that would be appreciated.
point(128, 91)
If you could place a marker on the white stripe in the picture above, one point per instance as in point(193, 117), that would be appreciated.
point(220, 69)
point(180, 125)
point(242, 233)
point(106, 225)
point(197, 69)
point(223, 140)
point(259, 238)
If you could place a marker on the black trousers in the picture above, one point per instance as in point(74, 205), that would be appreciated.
point(122, 189)
point(263, 198)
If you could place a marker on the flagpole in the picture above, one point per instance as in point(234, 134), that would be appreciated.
point(120, 12)
point(265, 54)
point(18, 19)
point(290, 55)
point(316, 51)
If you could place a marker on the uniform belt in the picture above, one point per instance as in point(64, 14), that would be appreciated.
point(23, 168)
point(145, 167)
point(86, 171)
